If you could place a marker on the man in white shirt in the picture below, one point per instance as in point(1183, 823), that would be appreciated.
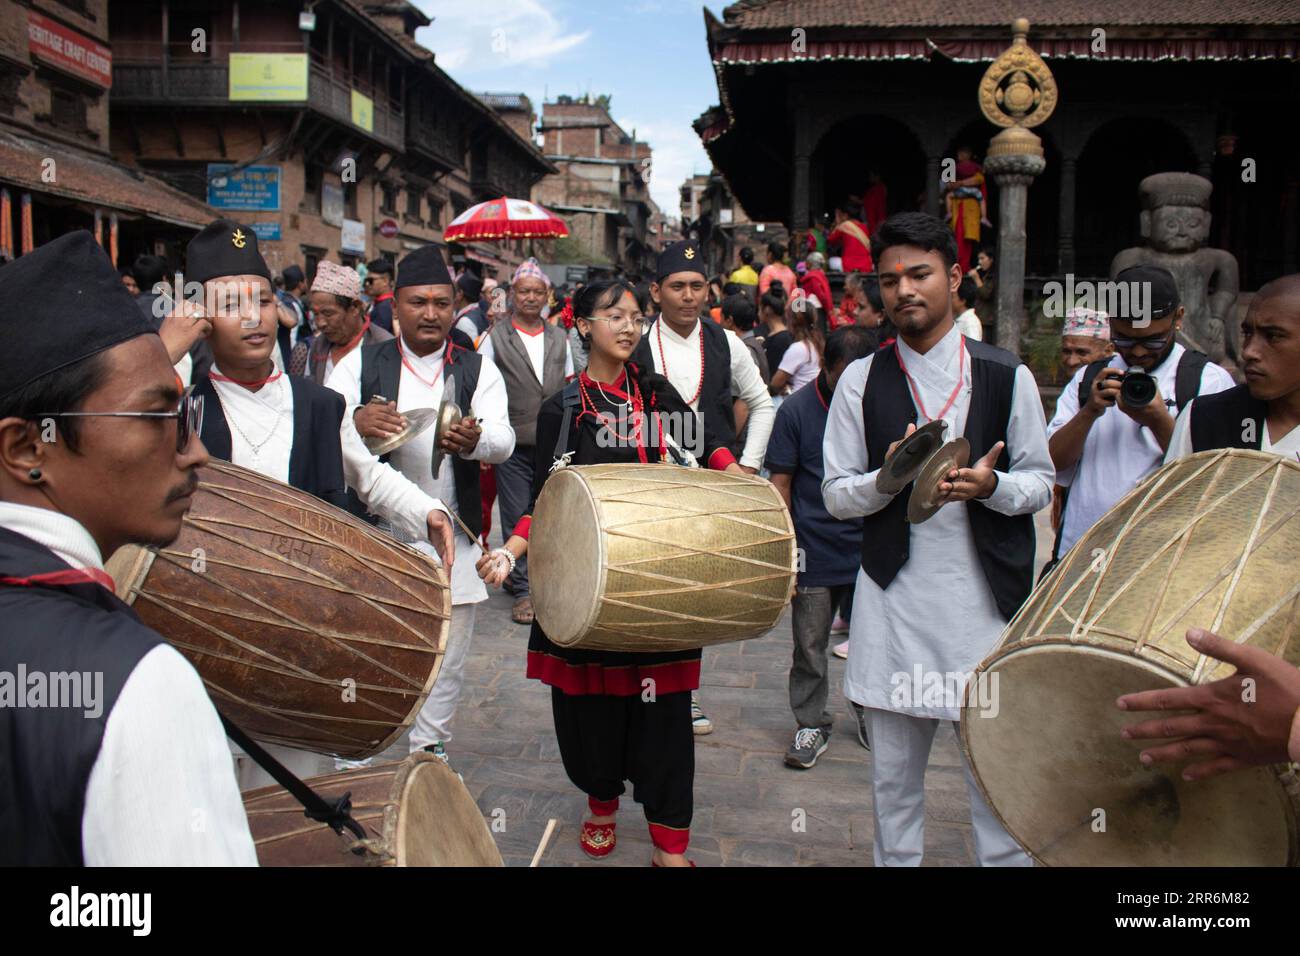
point(963, 306)
point(97, 450)
point(535, 360)
point(469, 314)
point(931, 599)
point(1103, 446)
point(287, 427)
point(414, 370)
point(1264, 413)
point(708, 367)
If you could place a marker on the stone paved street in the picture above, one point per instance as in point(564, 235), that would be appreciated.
point(746, 799)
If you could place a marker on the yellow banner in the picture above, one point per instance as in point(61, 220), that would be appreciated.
point(268, 77)
point(363, 111)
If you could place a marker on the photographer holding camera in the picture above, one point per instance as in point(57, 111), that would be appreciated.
point(1114, 419)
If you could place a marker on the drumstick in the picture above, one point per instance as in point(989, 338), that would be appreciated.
point(464, 527)
point(546, 838)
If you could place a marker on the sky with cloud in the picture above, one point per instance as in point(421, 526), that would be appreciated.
point(650, 56)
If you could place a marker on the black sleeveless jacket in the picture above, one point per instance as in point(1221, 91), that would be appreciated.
point(1228, 419)
point(381, 374)
point(717, 416)
point(47, 753)
point(1005, 543)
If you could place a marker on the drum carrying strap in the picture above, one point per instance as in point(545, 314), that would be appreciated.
point(337, 814)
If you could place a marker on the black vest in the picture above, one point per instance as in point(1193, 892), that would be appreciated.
point(1226, 419)
point(715, 404)
point(316, 456)
point(1005, 543)
point(381, 374)
point(47, 753)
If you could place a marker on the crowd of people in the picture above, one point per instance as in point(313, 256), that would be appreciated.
point(290, 375)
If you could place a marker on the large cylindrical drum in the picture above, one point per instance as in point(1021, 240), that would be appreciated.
point(309, 627)
point(1209, 541)
point(415, 813)
point(658, 557)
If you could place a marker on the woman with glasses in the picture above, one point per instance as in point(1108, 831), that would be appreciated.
point(616, 412)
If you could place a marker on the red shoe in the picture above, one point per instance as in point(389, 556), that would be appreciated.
point(597, 839)
point(657, 866)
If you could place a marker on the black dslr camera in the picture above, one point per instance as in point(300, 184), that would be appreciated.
point(1137, 388)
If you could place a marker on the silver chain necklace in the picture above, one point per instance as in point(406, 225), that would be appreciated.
point(279, 414)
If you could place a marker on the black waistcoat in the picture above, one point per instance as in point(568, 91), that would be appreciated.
point(47, 753)
point(381, 374)
point(715, 403)
point(1227, 419)
point(1005, 543)
point(315, 458)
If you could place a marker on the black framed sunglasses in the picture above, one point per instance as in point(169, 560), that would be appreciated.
point(188, 415)
point(1154, 343)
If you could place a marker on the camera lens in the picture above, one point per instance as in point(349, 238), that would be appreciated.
point(1137, 389)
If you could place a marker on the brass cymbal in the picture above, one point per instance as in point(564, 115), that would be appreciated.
point(448, 416)
point(910, 457)
point(417, 420)
point(924, 503)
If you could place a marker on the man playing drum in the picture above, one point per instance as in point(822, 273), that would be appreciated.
point(414, 371)
point(618, 715)
point(97, 450)
point(931, 598)
point(1226, 732)
point(285, 427)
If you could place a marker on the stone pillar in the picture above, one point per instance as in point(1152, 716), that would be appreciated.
point(1065, 217)
point(800, 185)
point(1013, 172)
point(932, 167)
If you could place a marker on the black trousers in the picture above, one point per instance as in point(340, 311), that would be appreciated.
point(605, 740)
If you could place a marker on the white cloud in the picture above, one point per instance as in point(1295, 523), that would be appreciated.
point(479, 36)
point(677, 153)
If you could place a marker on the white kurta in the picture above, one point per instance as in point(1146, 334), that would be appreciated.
point(161, 791)
point(938, 616)
point(261, 439)
point(534, 344)
point(412, 460)
point(679, 362)
point(1180, 444)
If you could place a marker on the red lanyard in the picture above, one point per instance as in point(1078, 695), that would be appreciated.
point(961, 380)
point(638, 411)
point(411, 368)
point(251, 386)
point(663, 360)
point(65, 578)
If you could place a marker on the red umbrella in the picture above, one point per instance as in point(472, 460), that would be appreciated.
point(506, 218)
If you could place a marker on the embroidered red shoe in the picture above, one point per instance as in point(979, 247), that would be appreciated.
point(597, 839)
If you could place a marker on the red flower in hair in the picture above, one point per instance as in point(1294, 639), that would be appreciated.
point(566, 314)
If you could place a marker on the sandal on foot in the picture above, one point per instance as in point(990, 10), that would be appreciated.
point(597, 839)
point(522, 612)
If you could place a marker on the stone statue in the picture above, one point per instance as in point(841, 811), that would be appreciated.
point(1175, 223)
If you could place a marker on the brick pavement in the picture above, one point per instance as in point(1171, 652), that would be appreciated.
point(746, 800)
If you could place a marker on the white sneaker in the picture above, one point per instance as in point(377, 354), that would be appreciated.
point(841, 650)
point(700, 724)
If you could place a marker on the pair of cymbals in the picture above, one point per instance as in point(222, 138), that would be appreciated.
point(922, 460)
point(418, 421)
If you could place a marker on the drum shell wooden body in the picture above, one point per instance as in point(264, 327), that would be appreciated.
point(415, 813)
point(630, 557)
point(308, 626)
point(1211, 541)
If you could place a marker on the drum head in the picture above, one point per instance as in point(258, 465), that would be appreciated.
point(910, 457)
point(438, 822)
point(1043, 734)
point(418, 421)
point(923, 503)
point(566, 559)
